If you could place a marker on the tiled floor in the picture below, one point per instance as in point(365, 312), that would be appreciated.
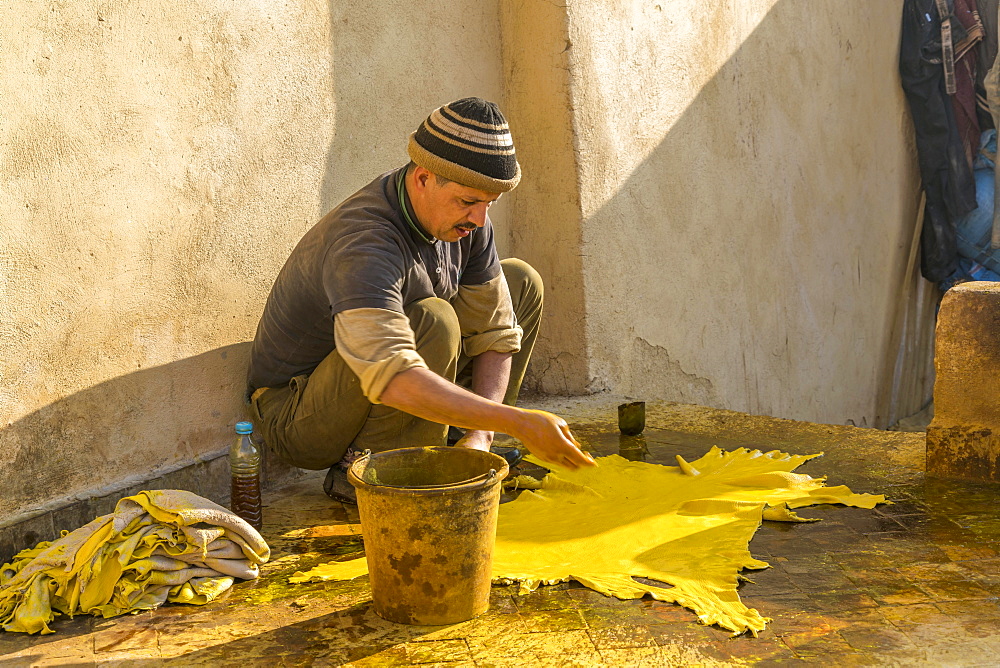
point(913, 583)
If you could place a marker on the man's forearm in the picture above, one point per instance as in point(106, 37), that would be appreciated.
point(423, 393)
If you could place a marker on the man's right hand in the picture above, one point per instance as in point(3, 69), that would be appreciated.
point(423, 393)
point(548, 437)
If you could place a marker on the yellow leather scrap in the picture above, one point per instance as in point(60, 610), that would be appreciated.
point(687, 526)
point(335, 570)
point(157, 546)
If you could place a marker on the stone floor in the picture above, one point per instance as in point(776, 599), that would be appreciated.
point(913, 583)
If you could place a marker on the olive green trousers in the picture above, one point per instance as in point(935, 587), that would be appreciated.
point(312, 421)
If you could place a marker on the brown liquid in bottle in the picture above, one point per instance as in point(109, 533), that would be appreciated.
point(245, 499)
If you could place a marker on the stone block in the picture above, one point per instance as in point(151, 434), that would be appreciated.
point(963, 440)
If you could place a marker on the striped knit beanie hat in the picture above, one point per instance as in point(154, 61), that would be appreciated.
point(469, 142)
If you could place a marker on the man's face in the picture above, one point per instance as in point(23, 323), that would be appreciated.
point(449, 211)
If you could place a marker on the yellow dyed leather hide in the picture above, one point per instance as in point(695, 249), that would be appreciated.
point(687, 526)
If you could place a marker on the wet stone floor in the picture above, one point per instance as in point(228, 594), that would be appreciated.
point(913, 583)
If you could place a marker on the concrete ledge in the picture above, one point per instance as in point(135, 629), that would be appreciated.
point(963, 439)
point(208, 477)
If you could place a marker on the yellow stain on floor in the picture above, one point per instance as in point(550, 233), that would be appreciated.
point(687, 526)
point(325, 531)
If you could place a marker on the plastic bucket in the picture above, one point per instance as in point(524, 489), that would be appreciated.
point(429, 519)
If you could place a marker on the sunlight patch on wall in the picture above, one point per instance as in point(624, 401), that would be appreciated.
point(637, 70)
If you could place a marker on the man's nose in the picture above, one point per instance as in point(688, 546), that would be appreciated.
point(477, 214)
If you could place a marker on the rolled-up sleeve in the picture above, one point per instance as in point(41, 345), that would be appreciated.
point(376, 344)
point(486, 318)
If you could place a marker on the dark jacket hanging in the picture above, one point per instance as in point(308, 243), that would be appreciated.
point(946, 173)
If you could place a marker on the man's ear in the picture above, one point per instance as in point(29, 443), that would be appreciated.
point(421, 177)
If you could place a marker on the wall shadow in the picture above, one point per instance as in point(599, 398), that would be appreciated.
point(71, 460)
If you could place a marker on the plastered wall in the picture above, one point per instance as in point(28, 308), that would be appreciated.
point(544, 211)
point(158, 160)
point(747, 196)
point(718, 195)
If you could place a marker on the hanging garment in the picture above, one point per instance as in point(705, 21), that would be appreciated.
point(986, 54)
point(158, 546)
point(966, 69)
point(991, 85)
point(980, 262)
point(924, 60)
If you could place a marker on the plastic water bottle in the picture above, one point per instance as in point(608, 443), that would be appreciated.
point(244, 461)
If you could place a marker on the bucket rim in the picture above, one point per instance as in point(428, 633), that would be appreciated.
point(494, 477)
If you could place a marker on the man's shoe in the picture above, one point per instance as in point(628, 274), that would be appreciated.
point(338, 488)
point(510, 455)
point(455, 435)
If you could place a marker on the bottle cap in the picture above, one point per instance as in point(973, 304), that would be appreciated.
point(244, 427)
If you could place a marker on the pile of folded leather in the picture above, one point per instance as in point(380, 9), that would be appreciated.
point(156, 547)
